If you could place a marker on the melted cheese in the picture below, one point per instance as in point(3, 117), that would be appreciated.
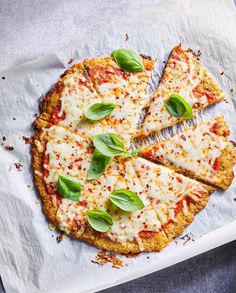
point(165, 188)
point(194, 150)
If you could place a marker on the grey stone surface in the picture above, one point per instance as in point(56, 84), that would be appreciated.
point(29, 29)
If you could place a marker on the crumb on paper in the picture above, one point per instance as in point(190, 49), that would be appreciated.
point(131, 255)
point(14, 118)
point(51, 227)
point(60, 237)
point(36, 201)
point(35, 114)
point(70, 61)
point(3, 77)
point(4, 138)
point(28, 186)
point(148, 257)
point(164, 62)
point(27, 140)
point(235, 199)
point(18, 166)
point(104, 257)
point(232, 90)
point(222, 73)
point(9, 148)
point(187, 237)
point(126, 37)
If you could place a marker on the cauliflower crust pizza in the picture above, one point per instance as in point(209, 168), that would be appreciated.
point(93, 186)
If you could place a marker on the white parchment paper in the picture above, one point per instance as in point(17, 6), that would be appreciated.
point(30, 258)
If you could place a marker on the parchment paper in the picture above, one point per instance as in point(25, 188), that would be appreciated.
point(30, 258)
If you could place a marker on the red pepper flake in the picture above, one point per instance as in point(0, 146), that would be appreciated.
point(70, 61)
point(3, 77)
point(104, 257)
point(28, 140)
point(183, 137)
point(9, 148)
point(18, 166)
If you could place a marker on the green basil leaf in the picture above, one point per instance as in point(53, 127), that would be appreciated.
point(98, 165)
point(128, 60)
point(178, 107)
point(99, 220)
point(69, 187)
point(99, 111)
point(126, 200)
point(108, 144)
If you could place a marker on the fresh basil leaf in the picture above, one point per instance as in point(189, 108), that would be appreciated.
point(99, 111)
point(99, 220)
point(108, 144)
point(98, 165)
point(128, 60)
point(69, 187)
point(126, 200)
point(178, 107)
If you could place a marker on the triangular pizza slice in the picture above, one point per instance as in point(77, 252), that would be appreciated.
point(184, 75)
point(98, 80)
point(202, 152)
point(175, 198)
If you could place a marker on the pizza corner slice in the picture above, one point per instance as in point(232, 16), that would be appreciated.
point(203, 152)
point(186, 76)
point(175, 198)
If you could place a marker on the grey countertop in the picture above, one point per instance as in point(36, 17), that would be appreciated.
point(30, 29)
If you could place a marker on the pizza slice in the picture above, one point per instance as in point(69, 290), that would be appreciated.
point(203, 152)
point(126, 90)
point(184, 75)
point(175, 198)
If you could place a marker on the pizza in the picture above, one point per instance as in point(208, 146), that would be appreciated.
point(93, 187)
point(98, 80)
point(184, 75)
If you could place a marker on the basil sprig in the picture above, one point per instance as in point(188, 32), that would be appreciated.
point(99, 111)
point(99, 220)
point(98, 165)
point(126, 200)
point(108, 144)
point(69, 187)
point(128, 60)
point(178, 107)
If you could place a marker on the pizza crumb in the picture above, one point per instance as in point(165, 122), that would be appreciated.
point(35, 114)
point(222, 73)
point(164, 62)
point(70, 61)
point(232, 90)
point(9, 148)
point(148, 257)
point(4, 138)
point(60, 237)
point(3, 77)
point(28, 186)
point(126, 37)
point(104, 257)
point(235, 199)
point(14, 118)
point(187, 237)
point(36, 201)
point(131, 255)
point(18, 166)
point(28, 140)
